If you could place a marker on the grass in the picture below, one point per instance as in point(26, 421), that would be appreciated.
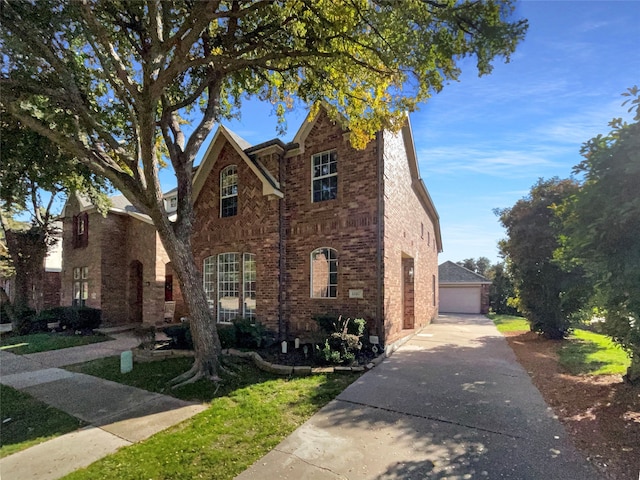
point(27, 421)
point(509, 323)
point(43, 342)
point(592, 353)
point(248, 416)
point(583, 352)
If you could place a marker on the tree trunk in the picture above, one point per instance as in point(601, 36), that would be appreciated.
point(203, 330)
point(28, 250)
point(633, 372)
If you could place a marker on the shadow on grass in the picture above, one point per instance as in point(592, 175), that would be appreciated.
point(27, 421)
point(574, 356)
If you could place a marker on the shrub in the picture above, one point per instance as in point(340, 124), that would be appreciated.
point(249, 334)
point(342, 346)
point(79, 318)
point(180, 336)
point(227, 335)
point(24, 317)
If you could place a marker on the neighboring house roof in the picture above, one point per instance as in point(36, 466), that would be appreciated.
point(452, 273)
point(270, 186)
point(119, 205)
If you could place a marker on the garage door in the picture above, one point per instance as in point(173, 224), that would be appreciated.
point(459, 299)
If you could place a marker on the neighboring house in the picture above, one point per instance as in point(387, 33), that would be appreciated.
point(52, 271)
point(461, 290)
point(116, 263)
point(287, 232)
point(46, 295)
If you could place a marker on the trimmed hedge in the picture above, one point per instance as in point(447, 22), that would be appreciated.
point(74, 318)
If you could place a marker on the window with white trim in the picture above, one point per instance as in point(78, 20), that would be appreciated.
point(324, 273)
point(324, 176)
point(228, 287)
point(80, 286)
point(209, 280)
point(229, 191)
point(249, 286)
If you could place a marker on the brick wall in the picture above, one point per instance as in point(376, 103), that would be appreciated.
point(409, 234)
point(89, 256)
point(255, 230)
point(347, 224)
point(51, 283)
point(114, 244)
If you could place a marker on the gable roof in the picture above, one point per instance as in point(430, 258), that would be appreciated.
point(270, 186)
point(450, 272)
point(119, 205)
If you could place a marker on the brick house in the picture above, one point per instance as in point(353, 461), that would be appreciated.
point(287, 232)
point(117, 263)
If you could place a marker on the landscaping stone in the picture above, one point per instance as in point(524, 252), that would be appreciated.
point(301, 371)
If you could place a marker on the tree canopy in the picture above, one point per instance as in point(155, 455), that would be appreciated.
point(113, 82)
point(547, 294)
point(602, 228)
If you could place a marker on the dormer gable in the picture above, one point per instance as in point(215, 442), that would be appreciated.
point(270, 186)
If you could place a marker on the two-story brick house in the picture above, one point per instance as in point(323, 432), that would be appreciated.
point(116, 263)
point(286, 232)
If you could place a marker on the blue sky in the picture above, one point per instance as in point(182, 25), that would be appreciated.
point(483, 142)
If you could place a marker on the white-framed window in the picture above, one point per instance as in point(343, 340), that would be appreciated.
point(209, 280)
point(249, 286)
point(324, 176)
point(324, 273)
point(229, 191)
point(80, 286)
point(228, 287)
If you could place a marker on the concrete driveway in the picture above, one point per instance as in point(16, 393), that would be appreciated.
point(451, 403)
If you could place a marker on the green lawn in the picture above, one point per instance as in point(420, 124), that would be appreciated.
point(583, 352)
point(43, 342)
point(509, 323)
point(592, 353)
point(248, 416)
point(27, 421)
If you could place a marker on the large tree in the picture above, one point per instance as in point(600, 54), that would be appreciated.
point(602, 229)
point(111, 81)
point(35, 174)
point(547, 294)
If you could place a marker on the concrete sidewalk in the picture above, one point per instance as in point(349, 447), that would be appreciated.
point(451, 403)
point(118, 415)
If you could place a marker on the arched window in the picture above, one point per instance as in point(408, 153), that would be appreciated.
point(324, 273)
point(229, 191)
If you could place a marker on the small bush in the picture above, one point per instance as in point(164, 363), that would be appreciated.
point(249, 334)
point(24, 317)
point(341, 346)
point(227, 335)
point(39, 324)
point(79, 318)
point(180, 336)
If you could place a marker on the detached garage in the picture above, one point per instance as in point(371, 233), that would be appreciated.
point(461, 290)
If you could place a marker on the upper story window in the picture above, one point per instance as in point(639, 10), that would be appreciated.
point(324, 273)
point(229, 191)
point(80, 230)
point(324, 176)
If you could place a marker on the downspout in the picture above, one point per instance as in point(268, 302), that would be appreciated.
point(380, 235)
point(282, 324)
